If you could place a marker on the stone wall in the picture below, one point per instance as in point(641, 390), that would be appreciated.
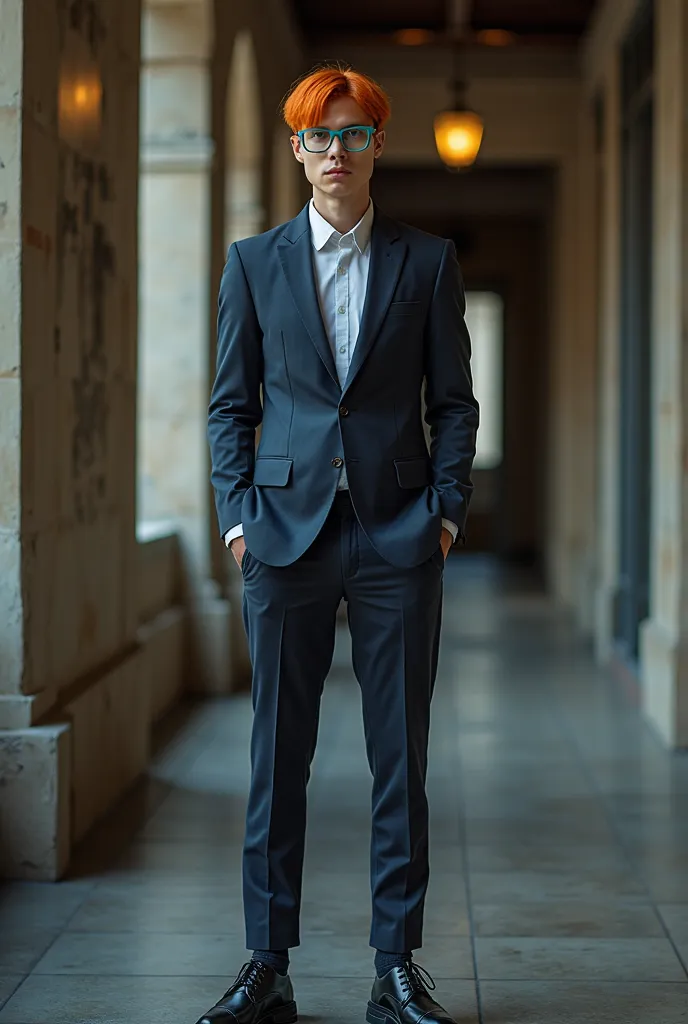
point(71, 661)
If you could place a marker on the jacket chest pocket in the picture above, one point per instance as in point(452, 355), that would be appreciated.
point(404, 308)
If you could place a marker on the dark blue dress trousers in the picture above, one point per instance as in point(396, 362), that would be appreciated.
point(289, 615)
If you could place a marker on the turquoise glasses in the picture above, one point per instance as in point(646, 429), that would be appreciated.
point(354, 139)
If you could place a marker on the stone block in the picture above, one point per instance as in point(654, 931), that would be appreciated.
point(10, 310)
point(11, 51)
point(110, 740)
point(34, 802)
point(10, 170)
point(19, 711)
point(163, 641)
point(664, 682)
point(174, 103)
point(10, 453)
point(176, 32)
point(159, 584)
point(11, 613)
point(211, 645)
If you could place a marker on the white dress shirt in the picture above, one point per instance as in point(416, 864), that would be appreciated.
point(341, 264)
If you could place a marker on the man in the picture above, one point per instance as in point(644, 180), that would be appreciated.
point(339, 317)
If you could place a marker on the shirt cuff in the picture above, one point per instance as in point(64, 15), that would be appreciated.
point(452, 527)
point(236, 531)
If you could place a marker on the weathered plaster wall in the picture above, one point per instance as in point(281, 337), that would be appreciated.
point(74, 630)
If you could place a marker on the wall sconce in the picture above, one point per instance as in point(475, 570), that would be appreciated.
point(80, 103)
point(458, 130)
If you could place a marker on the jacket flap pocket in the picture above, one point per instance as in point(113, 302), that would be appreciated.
point(404, 307)
point(413, 472)
point(272, 472)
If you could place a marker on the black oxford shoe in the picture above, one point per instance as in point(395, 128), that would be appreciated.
point(401, 997)
point(259, 996)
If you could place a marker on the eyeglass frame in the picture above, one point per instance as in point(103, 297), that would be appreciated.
point(368, 128)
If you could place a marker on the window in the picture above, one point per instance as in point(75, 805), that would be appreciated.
point(485, 320)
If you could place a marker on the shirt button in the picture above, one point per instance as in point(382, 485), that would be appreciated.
point(342, 349)
point(337, 463)
point(342, 309)
point(342, 270)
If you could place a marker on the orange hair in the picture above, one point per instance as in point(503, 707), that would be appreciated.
point(304, 105)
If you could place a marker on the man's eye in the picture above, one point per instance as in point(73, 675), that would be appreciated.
point(316, 135)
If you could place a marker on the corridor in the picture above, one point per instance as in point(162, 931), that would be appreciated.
point(559, 891)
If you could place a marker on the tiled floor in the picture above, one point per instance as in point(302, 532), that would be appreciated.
point(559, 891)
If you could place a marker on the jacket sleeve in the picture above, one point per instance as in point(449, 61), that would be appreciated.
point(451, 411)
point(235, 409)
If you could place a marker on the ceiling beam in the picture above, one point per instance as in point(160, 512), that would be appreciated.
point(459, 17)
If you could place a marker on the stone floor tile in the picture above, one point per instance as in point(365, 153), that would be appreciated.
point(21, 948)
point(177, 913)
point(552, 918)
point(40, 904)
point(195, 858)
point(144, 953)
point(481, 829)
point(541, 855)
point(503, 887)
point(111, 1000)
point(581, 1002)
point(586, 959)
point(675, 917)
point(8, 984)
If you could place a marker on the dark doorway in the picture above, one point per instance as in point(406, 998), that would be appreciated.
point(499, 220)
point(635, 481)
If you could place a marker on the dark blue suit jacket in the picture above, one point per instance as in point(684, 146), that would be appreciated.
point(275, 367)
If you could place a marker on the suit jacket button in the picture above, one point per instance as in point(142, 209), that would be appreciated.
point(337, 463)
point(343, 411)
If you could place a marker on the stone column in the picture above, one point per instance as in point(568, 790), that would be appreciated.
point(71, 692)
point(608, 363)
point(177, 154)
point(285, 197)
point(664, 636)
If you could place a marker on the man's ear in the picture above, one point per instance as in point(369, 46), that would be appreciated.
point(296, 147)
point(378, 143)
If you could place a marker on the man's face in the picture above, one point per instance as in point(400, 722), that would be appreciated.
point(339, 173)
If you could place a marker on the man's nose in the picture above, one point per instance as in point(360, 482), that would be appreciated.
point(337, 149)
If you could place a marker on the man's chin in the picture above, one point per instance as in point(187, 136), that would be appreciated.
point(338, 186)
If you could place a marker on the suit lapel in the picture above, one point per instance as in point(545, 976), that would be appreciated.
point(295, 253)
point(388, 252)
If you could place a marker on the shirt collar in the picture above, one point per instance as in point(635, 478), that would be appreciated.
point(322, 231)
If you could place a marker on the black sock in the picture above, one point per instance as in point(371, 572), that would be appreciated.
point(278, 959)
point(384, 962)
